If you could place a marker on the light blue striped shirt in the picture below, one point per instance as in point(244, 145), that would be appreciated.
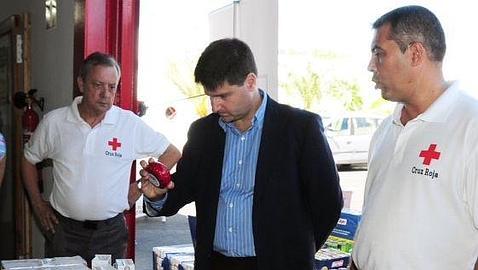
point(233, 236)
point(3, 146)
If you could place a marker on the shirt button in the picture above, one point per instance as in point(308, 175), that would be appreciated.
point(231, 205)
point(240, 162)
point(230, 229)
point(238, 185)
point(243, 138)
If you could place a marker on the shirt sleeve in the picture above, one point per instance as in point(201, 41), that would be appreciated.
point(38, 147)
point(153, 208)
point(3, 146)
point(149, 142)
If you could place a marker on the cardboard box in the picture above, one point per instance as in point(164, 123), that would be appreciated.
point(162, 255)
point(326, 259)
point(347, 224)
point(186, 266)
point(103, 267)
point(335, 254)
point(101, 260)
point(56, 263)
point(177, 260)
point(342, 244)
point(124, 264)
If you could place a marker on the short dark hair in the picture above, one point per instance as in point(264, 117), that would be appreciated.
point(226, 60)
point(415, 24)
point(97, 59)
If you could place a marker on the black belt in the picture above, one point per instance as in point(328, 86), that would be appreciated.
point(221, 258)
point(90, 224)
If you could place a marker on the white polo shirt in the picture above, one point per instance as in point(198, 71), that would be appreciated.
point(421, 197)
point(91, 166)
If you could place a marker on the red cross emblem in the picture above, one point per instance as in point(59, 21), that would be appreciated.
point(429, 154)
point(114, 144)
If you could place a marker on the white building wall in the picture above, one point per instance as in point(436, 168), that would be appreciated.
point(256, 23)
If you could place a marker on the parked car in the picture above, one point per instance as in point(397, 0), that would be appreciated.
point(325, 120)
point(349, 138)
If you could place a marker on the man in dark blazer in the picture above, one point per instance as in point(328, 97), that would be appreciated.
point(261, 174)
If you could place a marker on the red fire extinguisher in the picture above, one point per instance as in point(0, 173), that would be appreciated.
point(30, 121)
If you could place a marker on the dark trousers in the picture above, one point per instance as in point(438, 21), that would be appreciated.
point(87, 238)
point(221, 262)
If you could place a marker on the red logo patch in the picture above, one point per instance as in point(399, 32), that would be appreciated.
point(114, 144)
point(430, 154)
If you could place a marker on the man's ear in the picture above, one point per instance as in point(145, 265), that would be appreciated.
point(80, 83)
point(250, 81)
point(418, 53)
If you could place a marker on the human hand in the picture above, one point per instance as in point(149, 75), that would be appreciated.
point(158, 173)
point(133, 194)
point(45, 215)
point(154, 191)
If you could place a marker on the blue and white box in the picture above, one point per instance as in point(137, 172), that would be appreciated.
point(347, 224)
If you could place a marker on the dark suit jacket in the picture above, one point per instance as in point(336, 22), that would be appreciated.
point(297, 197)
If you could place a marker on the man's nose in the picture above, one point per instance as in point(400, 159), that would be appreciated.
point(371, 65)
point(215, 104)
point(106, 91)
point(103, 91)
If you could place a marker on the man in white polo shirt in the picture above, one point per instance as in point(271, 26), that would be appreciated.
point(92, 144)
point(421, 196)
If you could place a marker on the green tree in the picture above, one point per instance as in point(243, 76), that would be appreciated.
point(348, 93)
point(382, 106)
point(308, 86)
point(182, 77)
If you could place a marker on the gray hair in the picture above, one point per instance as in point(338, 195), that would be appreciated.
point(98, 59)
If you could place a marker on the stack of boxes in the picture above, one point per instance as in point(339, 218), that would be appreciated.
point(179, 260)
point(172, 257)
point(100, 262)
point(337, 249)
point(335, 254)
point(187, 266)
point(57, 263)
point(124, 264)
point(329, 258)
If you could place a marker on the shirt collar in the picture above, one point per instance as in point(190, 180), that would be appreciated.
point(258, 119)
point(73, 115)
point(438, 111)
